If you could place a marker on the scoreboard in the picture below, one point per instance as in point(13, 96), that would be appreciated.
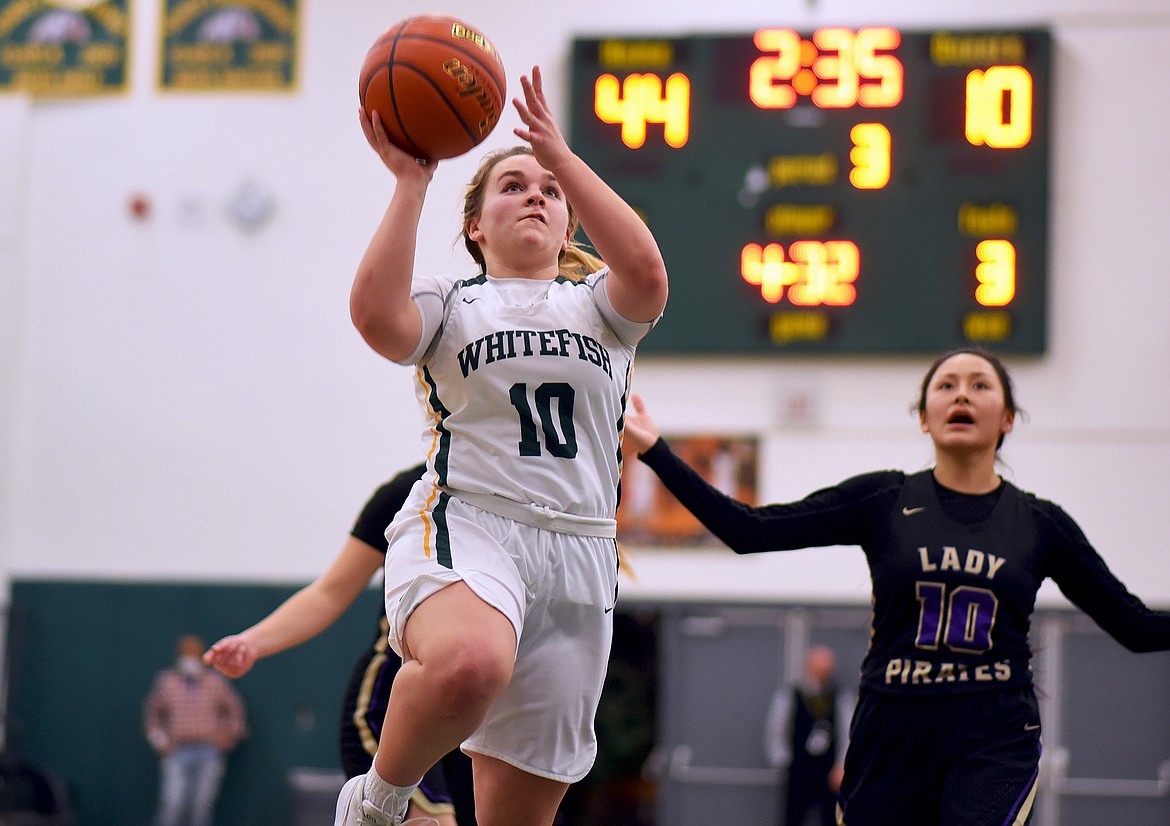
point(843, 190)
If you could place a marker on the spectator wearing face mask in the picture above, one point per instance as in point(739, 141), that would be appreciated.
point(193, 718)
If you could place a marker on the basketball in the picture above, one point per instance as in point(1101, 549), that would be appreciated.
point(437, 84)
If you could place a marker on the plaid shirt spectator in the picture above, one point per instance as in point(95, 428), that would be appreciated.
point(196, 707)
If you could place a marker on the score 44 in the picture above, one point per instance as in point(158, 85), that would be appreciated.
point(642, 99)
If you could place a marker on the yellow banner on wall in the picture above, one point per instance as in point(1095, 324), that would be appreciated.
point(229, 45)
point(67, 48)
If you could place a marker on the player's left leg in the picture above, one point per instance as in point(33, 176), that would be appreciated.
point(996, 765)
point(538, 737)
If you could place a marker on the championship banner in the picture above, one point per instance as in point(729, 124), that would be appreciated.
point(229, 45)
point(66, 48)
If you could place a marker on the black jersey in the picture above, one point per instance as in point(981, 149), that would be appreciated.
point(954, 575)
point(382, 507)
point(368, 690)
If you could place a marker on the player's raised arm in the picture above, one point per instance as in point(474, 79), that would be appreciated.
point(638, 285)
point(379, 301)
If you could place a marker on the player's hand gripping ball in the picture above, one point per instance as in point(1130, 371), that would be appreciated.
point(437, 84)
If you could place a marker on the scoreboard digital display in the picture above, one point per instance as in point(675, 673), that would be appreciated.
point(844, 190)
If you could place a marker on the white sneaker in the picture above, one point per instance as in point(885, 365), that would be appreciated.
point(352, 810)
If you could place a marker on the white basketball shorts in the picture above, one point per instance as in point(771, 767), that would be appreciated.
point(557, 589)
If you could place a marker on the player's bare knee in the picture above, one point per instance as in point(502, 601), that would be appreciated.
point(473, 676)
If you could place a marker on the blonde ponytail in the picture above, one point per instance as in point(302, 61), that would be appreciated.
point(578, 261)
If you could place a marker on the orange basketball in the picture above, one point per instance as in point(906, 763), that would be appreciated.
point(437, 83)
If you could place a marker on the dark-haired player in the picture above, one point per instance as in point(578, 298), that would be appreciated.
point(947, 730)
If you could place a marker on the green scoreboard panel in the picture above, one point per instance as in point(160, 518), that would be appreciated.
point(852, 191)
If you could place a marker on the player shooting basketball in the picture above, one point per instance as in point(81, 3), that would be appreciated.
point(501, 571)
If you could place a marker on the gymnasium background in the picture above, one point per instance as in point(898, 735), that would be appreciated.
point(189, 423)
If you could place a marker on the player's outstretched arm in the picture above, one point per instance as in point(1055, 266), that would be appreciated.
point(641, 431)
point(302, 616)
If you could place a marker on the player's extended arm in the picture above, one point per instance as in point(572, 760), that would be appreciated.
point(641, 430)
point(302, 616)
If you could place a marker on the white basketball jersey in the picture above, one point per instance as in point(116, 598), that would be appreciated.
point(524, 388)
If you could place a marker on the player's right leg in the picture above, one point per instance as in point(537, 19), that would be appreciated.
point(892, 765)
point(459, 656)
point(508, 796)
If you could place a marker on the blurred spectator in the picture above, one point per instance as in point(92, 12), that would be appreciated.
point(805, 733)
point(193, 717)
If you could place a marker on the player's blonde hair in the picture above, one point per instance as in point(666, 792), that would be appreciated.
point(576, 260)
